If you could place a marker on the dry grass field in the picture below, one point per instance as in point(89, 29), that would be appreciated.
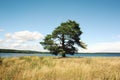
point(52, 68)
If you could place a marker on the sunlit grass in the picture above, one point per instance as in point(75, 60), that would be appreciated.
point(52, 68)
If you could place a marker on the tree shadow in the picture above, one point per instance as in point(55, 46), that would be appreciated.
point(67, 57)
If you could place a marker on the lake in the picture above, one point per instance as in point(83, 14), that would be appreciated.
point(75, 55)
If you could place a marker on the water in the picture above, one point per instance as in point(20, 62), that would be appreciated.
point(22, 54)
point(75, 55)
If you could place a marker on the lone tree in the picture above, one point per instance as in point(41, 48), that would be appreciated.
point(64, 39)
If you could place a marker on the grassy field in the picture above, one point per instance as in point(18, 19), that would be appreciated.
point(51, 68)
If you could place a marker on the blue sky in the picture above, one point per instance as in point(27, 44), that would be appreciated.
point(98, 19)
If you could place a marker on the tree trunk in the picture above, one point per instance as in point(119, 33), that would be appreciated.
point(63, 55)
point(63, 41)
point(63, 45)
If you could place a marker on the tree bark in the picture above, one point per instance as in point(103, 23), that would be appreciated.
point(63, 45)
point(63, 41)
point(63, 55)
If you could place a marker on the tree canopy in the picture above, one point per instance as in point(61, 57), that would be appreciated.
point(64, 39)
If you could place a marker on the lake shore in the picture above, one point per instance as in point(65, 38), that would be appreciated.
point(51, 55)
point(54, 68)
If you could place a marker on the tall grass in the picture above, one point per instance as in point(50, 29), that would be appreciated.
point(51, 68)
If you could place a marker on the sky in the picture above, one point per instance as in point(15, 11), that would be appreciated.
point(24, 23)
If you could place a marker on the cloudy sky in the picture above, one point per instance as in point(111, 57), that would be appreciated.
point(24, 23)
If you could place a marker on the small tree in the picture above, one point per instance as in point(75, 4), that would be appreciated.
point(64, 39)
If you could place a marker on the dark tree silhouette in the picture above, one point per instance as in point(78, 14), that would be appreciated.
point(64, 39)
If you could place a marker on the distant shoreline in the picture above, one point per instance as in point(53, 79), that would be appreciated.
point(20, 51)
point(33, 52)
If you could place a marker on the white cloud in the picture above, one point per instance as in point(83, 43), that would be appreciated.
point(104, 47)
point(24, 40)
point(24, 36)
point(1, 41)
point(8, 37)
point(27, 35)
point(34, 47)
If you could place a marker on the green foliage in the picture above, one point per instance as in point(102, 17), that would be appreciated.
point(64, 38)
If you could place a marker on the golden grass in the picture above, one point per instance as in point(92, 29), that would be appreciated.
point(51, 68)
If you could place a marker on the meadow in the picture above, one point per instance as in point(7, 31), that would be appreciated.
point(53, 68)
